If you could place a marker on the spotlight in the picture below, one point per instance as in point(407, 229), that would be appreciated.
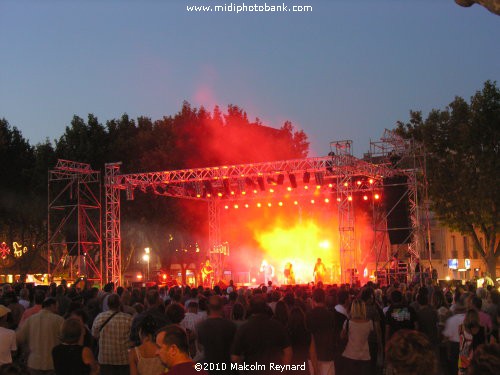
point(365, 197)
point(312, 201)
point(295, 202)
point(327, 200)
point(293, 180)
point(280, 204)
point(227, 189)
point(269, 204)
point(246, 205)
point(319, 178)
point(281, 178)
point(208, 188)
point(349, 198)
point(376, 196)
point(226, 207)
point(306, 177)
point(289, 188)
point(271, 180)
point(259, 205)
point(236, 206)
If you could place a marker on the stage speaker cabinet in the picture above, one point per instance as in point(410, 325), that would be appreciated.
point(397, 210)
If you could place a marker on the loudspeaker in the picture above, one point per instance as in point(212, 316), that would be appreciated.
point(396, 207)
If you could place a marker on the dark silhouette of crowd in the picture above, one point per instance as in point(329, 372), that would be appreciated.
point(324, 329)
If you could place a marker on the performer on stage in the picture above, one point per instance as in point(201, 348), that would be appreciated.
point(319, 271)
point(289, 274)
point(268, 271)
point(207, 274)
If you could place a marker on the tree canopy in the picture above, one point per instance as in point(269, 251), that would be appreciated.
point(462, 144)
point(193, 137)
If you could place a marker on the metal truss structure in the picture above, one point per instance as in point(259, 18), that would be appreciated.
point(74, 221)
point(339, 174)
point(404, 157)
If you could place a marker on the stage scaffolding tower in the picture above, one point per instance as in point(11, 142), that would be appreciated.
point(74, 222)
point(113, 234)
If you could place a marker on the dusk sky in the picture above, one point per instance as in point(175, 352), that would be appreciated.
point(346, 70)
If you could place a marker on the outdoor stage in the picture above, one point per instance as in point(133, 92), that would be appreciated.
point(354, 214)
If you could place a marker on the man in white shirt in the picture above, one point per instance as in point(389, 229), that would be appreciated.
point(7, 338)
point(451, 332)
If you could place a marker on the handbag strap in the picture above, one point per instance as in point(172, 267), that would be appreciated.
point(107, 320)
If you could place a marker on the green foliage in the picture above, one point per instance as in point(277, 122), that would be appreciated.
point(462, 146)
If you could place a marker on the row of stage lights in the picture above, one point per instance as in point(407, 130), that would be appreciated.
point(295, 202)
point(273, 190)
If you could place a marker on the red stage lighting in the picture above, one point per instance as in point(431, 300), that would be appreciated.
point(349, 198)
point(365, 198)
point(243, 192)
point(358, 182)
point(246, 205)
point(377, 196)
point(370, 181)
point(289, 188)
point(312, 201)
point(226, 207)
point(259, 205)
point(236, 206)
point(280, 204)
point(293, 180)
point(269, 204)
point(327, 200)
point(295, 202)
point(271, 190)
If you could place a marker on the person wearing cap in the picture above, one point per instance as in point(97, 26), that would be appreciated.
point(7, 337)
point(41, 333)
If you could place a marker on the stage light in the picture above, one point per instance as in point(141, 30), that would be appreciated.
point(249, 182)
point(271, 190)
point(377, 196)
point(306, 187)
point(365, 198)
point(255, 191)
point(271, 181)
point(164, 277)
point(293, 180)
point(349, 198)
point(260, 181)
point(269, 204)
point(318, 177)
point(243, 192)
point(358, 182)
point(226, 207)
point(246, 205)
point(280, 204)
point(318, 187)
point(259, 205)
point(227, 188)
point(312, 201)
point(289, 188)
point(327, 200)
point(198, 196)
point(208, 187)
point(306, 177)
point(281, 178)
point(346, 184)
point(295, 202)
point(232, 192)
point(236, 206)
point(219, 194)
point(338, 199)
point(324, 244)
point(330, 185)
point(209, 195)
point(370, 181)
point(130, 193)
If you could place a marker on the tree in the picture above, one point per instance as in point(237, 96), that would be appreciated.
point(462, 146)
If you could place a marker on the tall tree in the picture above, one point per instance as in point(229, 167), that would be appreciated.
point(462, 145)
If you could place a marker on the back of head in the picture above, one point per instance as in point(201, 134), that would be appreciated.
point(318, 295)
point(358, 309)
point(411, 353)
point(49, 302)
point(109, 287)
point(396, 296)
point(175, 335)
point(258, 305)
point(114, 302)
point(215, 305)
point(342, 297)
point(71, 331)
point(148, 326)
point(175, 313)
point(486, 360)
point(152, 297)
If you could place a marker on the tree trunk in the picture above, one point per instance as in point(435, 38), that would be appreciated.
point(491, 264)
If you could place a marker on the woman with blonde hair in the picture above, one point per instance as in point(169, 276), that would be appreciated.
point(356, 356)
point(471, 335)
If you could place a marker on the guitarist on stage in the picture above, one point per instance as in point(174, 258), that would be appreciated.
point(207, 272)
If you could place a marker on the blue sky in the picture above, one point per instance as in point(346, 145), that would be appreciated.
point(346, 70)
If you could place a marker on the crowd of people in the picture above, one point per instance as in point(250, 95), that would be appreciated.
point(318, 330)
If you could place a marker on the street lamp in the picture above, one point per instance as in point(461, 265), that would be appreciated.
point(145, 257)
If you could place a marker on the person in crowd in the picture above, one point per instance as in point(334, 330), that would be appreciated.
point(486, 360)
point(175, 313)
point(410, 353)
point(112, 330)
point(215, 335)
point(40, 332)
point(8, 345)
point(238, 314)
point(16, 309)
point(375, 339)
point(71, 357)
point(356, 356)
point(261, 340)
point(154, 307)
point(63, 301)
point(231, 298)
point(471, 335)
point(300, 338)
point(321, 323)
point(451, 333)
point(289, 274)
point(427, 319)
point(173, 351)
point(38, 299)
point(24, 298)
point(484, 318)
point(281, 313)
point(143, 359)
point(399, 315)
